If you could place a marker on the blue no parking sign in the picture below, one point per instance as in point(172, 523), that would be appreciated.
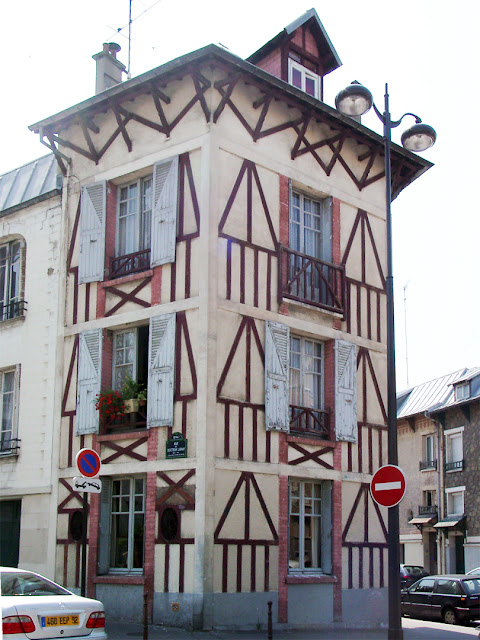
point(88, 463)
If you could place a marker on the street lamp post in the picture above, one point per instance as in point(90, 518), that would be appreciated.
point(356, 100)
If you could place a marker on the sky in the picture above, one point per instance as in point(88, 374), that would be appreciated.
point(424, 49)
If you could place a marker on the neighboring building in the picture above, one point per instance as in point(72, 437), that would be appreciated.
point(440, 517)
point(225, 243)
point(30, 222)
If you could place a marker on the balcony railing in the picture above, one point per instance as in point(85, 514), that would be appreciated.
point(14, 309)
point(427, 510)
point(127, 422)
point(310, 421)
point(131, 263)
point(427, 464)
point(10, 446)
point(311, 280)
point(454, 466)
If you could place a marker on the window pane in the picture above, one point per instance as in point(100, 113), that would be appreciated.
point(310, 86)
point(138, 536)
point(296, 78)
point(145, 231)
point(305, 537)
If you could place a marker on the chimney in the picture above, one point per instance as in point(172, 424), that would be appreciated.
point(109, 69)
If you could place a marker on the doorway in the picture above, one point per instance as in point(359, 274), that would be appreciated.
point(10, 511)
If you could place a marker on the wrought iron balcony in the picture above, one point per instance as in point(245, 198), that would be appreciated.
point(134, 421)
point(427, 510)
point(458, 465)
point(10, 446)
point(130, 263)
point(14, 309)
point(428, 464)
point(307, 279)
point(310, 421)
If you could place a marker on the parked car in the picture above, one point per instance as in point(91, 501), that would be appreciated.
point(410, 573)
point(34, 607)
point(474, 572)
point(451, 598)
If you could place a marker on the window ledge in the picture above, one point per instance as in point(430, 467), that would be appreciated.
point(124, 435)
point(298, 437)
point(11, 321)
point(312, 306)
point(130, 278)
point(120, 579)
point(305, 579)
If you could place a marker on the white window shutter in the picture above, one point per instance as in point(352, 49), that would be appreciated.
point(326, 527)
point(277, 358)
point(161, 370)
point(16, 401)
point(164, 213)
point(345, 391)
point(104, 528)
point(93, 206)
point(88, 380)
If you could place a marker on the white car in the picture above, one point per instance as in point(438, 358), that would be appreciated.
point(474, 572)
point(33, 607)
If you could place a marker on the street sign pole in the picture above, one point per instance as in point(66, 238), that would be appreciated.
point(84, 545)
point(88, 464)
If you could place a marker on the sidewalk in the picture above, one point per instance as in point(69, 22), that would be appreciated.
point(130, 631)
point(412, 630)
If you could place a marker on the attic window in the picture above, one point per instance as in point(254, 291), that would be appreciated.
point(462, 391)
point(304, 79)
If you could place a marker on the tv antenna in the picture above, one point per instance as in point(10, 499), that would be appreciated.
point(129, 75)
point(405, 323)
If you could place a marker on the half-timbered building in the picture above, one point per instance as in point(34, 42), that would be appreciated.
point(225, 248)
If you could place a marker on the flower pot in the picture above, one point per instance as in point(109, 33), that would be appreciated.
point(131, 406)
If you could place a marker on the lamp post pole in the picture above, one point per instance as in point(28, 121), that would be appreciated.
point(355, 100)
point(394, 612)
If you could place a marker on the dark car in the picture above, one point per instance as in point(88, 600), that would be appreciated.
point(410, 573)
point(451, 598)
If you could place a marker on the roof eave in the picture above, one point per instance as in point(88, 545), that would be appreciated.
point(131, 87)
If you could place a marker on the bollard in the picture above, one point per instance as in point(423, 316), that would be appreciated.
point(269, 626)
point(145, 616)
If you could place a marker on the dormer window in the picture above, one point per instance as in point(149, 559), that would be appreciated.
point(304, 79)
point(462, 391)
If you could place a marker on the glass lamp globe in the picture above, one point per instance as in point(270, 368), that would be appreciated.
point(354, 100)
point(419, 137)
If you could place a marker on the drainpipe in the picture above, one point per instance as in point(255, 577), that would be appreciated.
point(440, 493)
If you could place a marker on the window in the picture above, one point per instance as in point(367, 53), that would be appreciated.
point(454, 449)
point(455, 501)
point(424, 586)
point(11, 302)
point(127, 511)
point(304, 79)
point(310, 526)
point(462, 391)
point(130, 356)
point(8, 401)
point(311, 276)
point(429, 498)
point(310, 226)
point(429, 448)
point(134, 216)
point(306, 384)
point(449, 587)
point(429, 460)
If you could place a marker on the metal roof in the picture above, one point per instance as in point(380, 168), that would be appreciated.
point(427, 395)
point(34, 181)
point(438, 394)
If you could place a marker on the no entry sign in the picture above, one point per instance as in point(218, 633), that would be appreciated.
point(88, 463)
point(388, 485)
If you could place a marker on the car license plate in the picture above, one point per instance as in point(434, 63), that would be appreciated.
point(60, 621)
